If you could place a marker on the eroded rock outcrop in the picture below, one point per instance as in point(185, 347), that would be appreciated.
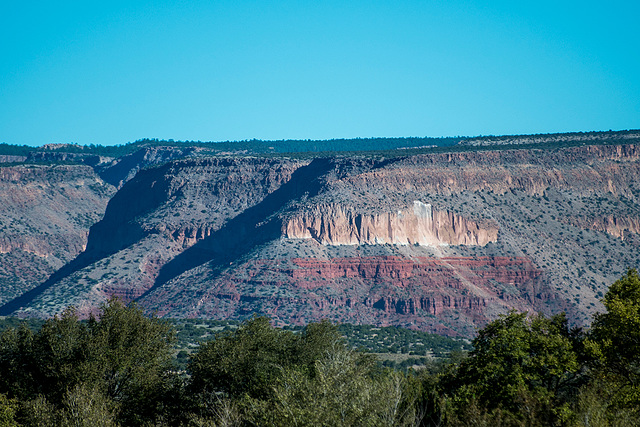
point(552, 138)
point(618, 226)
point(7, 158)
point(598, 168)
point(419, 225)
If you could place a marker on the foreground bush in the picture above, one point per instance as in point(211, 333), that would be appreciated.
point(117, 370)
point(119, 362)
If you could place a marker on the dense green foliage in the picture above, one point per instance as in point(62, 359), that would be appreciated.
point(538, 371)
point(116, 369)
point(276, 377)
point(519, 362)
point(15, 150)
point(614, 340)
point(7, 322)
point(121, 359)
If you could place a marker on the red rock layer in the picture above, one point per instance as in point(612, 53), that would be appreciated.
point(424, 293)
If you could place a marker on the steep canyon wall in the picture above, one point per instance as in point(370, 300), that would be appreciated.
point(442, 242)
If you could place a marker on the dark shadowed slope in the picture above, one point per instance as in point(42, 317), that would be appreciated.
point(251, 228)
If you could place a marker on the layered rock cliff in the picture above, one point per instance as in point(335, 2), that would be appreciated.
point(553, 138)
point(442, 242)
point(186, 200)
point(419, 225)
point(448, 295)
point(587, 170)
point(618, 225)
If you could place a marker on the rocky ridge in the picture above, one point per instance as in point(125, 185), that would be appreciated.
point(441, 242)
point(549, 139)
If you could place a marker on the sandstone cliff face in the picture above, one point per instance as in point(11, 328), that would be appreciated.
point(8, 158)
point(120, 170)
point(419, 225)
point(153, 218)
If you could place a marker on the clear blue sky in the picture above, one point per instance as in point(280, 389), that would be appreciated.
point(111, 72)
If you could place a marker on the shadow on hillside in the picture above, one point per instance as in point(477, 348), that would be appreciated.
point(78, 263)
point(249, 229)
point(116, 224)
point(239, 236)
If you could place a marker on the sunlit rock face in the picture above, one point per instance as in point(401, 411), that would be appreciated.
point(334, 224)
